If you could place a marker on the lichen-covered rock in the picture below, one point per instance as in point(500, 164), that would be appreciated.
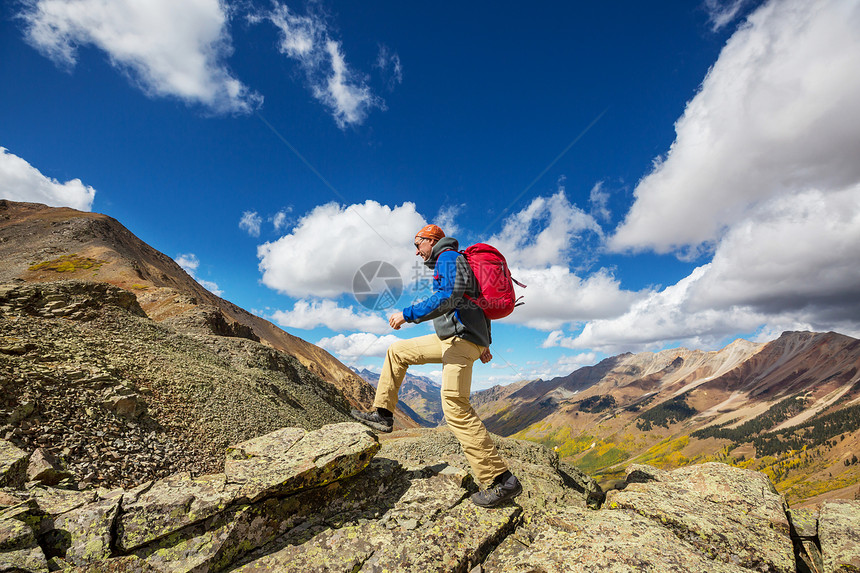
point(155, 510)
point(13, 465)
point(44, 467)
point(124, 564)
point(84, 534)
point(18, 548)
point(839, 533)
point(804, 522)
point(290, 460)
point(545, 481)
point(577, 540)
point(55, 501)
point(455, 540)
point(730, 514)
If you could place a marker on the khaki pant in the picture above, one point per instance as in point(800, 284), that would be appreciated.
point(456, 356)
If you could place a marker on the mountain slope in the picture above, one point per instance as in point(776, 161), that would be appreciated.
point(790, 408)
point(119, 399)
point(419, 396)
point(40, 243)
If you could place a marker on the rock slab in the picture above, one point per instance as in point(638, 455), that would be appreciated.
point(839, 533)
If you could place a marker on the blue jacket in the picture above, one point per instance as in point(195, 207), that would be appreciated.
point(451, 312)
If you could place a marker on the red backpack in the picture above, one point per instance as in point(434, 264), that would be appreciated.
point(497, 298)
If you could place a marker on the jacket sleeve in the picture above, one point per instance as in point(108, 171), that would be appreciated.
point(450, 283)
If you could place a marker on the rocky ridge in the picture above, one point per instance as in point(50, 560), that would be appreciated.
point(335, 499)
point(117, 399)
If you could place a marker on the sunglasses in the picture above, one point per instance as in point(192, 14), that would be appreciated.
point(418, 242)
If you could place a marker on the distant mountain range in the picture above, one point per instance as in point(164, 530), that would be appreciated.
point(789, 408)
point(420, 397)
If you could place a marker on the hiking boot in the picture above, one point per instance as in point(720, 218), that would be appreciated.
point(498, 493)
point(375, 420)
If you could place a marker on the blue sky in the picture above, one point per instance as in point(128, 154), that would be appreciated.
point(659, 174)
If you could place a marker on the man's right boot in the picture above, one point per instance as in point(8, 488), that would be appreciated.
point(375, 420)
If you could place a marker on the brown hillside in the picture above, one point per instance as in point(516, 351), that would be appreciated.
point(40, 244)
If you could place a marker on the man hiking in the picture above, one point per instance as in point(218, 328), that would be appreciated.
point(462, 336)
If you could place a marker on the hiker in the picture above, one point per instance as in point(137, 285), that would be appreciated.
point(462, 336)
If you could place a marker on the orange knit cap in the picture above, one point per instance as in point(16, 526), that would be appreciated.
point(431, 232)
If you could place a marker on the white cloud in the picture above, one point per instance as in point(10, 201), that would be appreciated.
point(555, 296)
point(661, 318)
point(189, 263)
point(571, 363)
point(791, 265)
point(792, 254)
point(764, 172)
point(356, 346)
point(723, 12)
point(599, 200)
point(329, 245)
point(539, 244)
point(544, 233)
point(306, 40)
point(778, 114)
point(251, 222)
point(279, 219)
point(390, 67)
point(20, 181)
point(167, 48)
point(311, 314)
point(446, 219)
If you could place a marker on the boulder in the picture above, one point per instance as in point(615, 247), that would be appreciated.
point(289, 460)
point(54, 501)
point(45, 468)
point(839, 534)
point(730, 514)
point(19, 550)
point(124, 402)
point(157, 509)
point(423, 522)
point(578, 540)
point(13, 465)
point(84, 535)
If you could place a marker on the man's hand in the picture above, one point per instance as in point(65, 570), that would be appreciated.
point(396, 320)
point(486, 356)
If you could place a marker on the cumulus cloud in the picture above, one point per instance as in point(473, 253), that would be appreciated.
point(763, 174)
point(792, 254)
point(167, 48)
point(312, 314)
point(332, 81)
point(20, 181)
point(545, 233)
point(555, 296)
point(189, 263)
point(791, 265)
point(659, 318)
point(327, 246)
point(356, 346)
point(776, 115)
point(250, 222)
